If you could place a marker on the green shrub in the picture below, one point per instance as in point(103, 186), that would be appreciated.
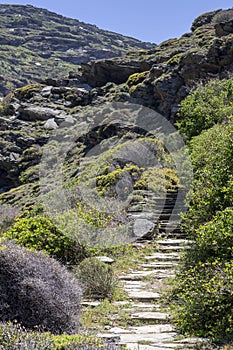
point(136, 78)
point(212, 154)
point(213, 240)
point(204, 287)
point(37, 291)
point(15, 337)
point(27, 91)
point(107, 181)
point(207, 105)
point(158, 180)
point(40, 233)
point(205, 300)
point(97, 278)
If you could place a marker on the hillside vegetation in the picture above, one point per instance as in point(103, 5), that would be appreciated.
point(205, 282)
point(95, 139)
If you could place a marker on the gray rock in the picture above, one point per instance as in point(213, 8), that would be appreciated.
point(143, 227)
point(105, 259)
point(50, 124)
point(14, 156)
point(34, 113)
point(68, 121)
point(45, 92)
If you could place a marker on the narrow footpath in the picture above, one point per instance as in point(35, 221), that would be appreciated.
point(152, 328)
point(155, 331)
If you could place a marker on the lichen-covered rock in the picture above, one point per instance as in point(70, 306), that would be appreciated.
point(203, 19)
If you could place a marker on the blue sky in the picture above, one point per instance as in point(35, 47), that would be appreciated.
point(147, 20)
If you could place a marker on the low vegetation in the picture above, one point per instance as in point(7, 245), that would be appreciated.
point(37, 291)
point(204, 286)
point(97, 278)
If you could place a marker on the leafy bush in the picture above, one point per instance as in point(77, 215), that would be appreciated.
point(213, 240)
point(204, 287)
point(205, 300)
point(97, 278)
point(212, 154)
point(158, 180)
point(36, 290)
point(207, 105)
point(40, 233)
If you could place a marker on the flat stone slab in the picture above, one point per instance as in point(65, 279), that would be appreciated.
point(143, 295)
point(105, 259)
point(163, 256)
point(150, 316)
point(135, 275)
point(173, 241)
point(90, 303)
point(131, 346)
point(155, 273)
point(161, 265)
point(155, 328)
point(145, 306)
point(173, 248)
point(152, 337)
point(134, 284)
point(121, 303)
point(193, 340)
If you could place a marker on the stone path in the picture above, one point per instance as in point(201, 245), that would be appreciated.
point(151, 324)
point(145, 287)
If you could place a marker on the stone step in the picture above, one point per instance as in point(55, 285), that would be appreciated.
point(173, 248)
point(160, 265)
point(151, 316)
point(90, 303)
point(171, 229)
point(153, 338)
point(172, 234)
point(163, 257)
point(145, 329)
point(140, 275)
point(145, 306)
point(134, 284)
point(165, 223)
point(131, 346)
point(143, 295)
point(174, 242)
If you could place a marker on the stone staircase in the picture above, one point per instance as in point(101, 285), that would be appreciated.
point(153, 330)
point(145, 287)
point(157, 215)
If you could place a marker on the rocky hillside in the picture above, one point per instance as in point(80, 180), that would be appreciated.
point(165, 75)
point(36, 43)
point(159, 78)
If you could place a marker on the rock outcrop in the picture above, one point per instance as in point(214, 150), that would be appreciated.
point(163, 76)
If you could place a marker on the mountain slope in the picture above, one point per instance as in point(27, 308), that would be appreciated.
point(36, 43)
point(158, 78)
